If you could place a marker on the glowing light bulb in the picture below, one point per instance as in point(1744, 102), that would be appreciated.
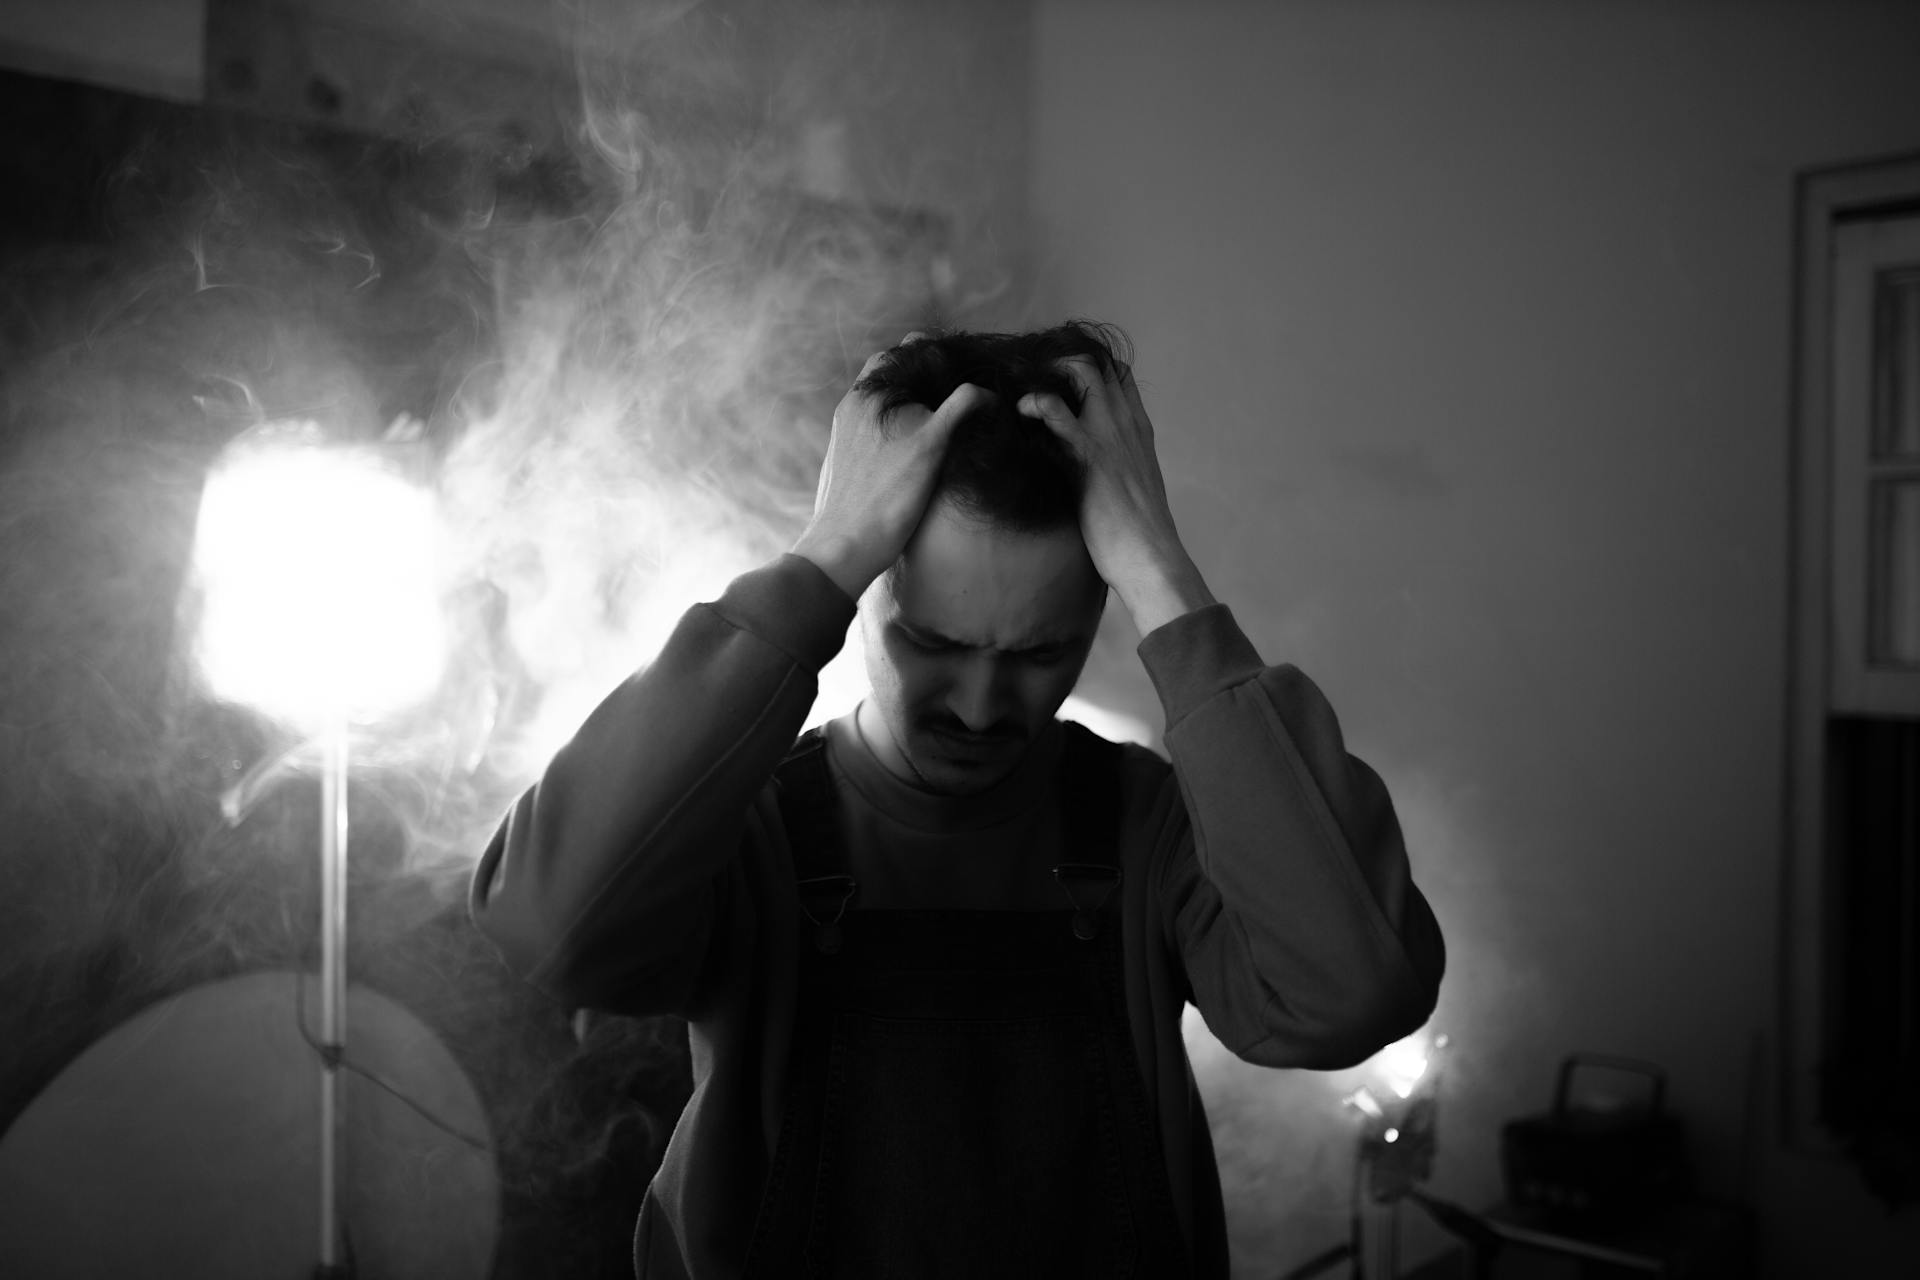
point(1401, 1064)
point(318, 576)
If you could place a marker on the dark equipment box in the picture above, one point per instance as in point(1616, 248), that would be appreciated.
point(1598, 1154)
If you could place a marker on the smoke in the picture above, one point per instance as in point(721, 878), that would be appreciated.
point(616, 359)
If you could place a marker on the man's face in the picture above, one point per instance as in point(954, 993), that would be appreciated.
point(974, 639)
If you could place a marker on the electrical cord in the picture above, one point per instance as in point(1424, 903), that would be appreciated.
point(332, 1055)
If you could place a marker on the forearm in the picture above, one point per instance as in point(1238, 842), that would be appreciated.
point(1298, 913)
point(1158, 582)
point(634, 817)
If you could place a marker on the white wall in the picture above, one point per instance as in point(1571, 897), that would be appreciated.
point(1465, 328)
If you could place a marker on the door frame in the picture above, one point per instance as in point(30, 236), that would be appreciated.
point(1825, 198)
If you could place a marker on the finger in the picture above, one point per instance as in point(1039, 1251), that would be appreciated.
point(874, 361)
point(902, 419)
point(1097, 389)
point(1082, 371)
point(1132, 389)
point(1051, 410)
point(963, 400)
point(913, 337)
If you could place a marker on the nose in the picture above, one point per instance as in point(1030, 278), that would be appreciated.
point(975, 695)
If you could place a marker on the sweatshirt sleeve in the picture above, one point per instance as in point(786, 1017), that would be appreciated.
point(603, 883)
point(1283, 873)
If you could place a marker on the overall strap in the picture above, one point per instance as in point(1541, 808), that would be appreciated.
point(1090, 813)
point(807, 806)
point(810, 813)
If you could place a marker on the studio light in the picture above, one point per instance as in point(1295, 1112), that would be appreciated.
point(316, 575)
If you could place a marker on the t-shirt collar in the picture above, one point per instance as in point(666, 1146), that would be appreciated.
point(1015, 794)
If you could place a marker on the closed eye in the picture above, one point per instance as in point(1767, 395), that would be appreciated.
point(1048, 656)
point(930, 644)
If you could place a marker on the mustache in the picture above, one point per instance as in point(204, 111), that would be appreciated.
point(953, 727)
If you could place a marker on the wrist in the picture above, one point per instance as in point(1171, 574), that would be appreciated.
point(837, 557)
point(1158, 586)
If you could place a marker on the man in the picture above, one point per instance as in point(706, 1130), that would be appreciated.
point(934, 959)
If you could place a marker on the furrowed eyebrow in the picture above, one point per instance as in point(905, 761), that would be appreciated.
point(933, 639)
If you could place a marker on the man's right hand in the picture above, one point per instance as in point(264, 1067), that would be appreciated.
point(876, 481)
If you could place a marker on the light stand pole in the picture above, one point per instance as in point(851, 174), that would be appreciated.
point(333, 992)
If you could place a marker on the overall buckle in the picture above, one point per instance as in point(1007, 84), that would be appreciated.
point(821, 895)
point(1086, 874)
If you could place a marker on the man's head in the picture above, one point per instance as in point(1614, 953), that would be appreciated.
point(979, 631)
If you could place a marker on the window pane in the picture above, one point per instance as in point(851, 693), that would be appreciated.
point(1896, 418)
point(1896, 572)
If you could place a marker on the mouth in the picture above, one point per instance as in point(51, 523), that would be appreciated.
point(971, 746)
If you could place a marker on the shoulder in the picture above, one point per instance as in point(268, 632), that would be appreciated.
point(1129, 761)
point(1142, 779)
point(1138, 762)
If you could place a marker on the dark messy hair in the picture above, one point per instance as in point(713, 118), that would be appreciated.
point(1002, 467)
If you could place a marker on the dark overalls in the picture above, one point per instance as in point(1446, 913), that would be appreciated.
point(962, 1097)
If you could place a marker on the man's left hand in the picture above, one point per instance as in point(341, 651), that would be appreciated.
point(1124, 515)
